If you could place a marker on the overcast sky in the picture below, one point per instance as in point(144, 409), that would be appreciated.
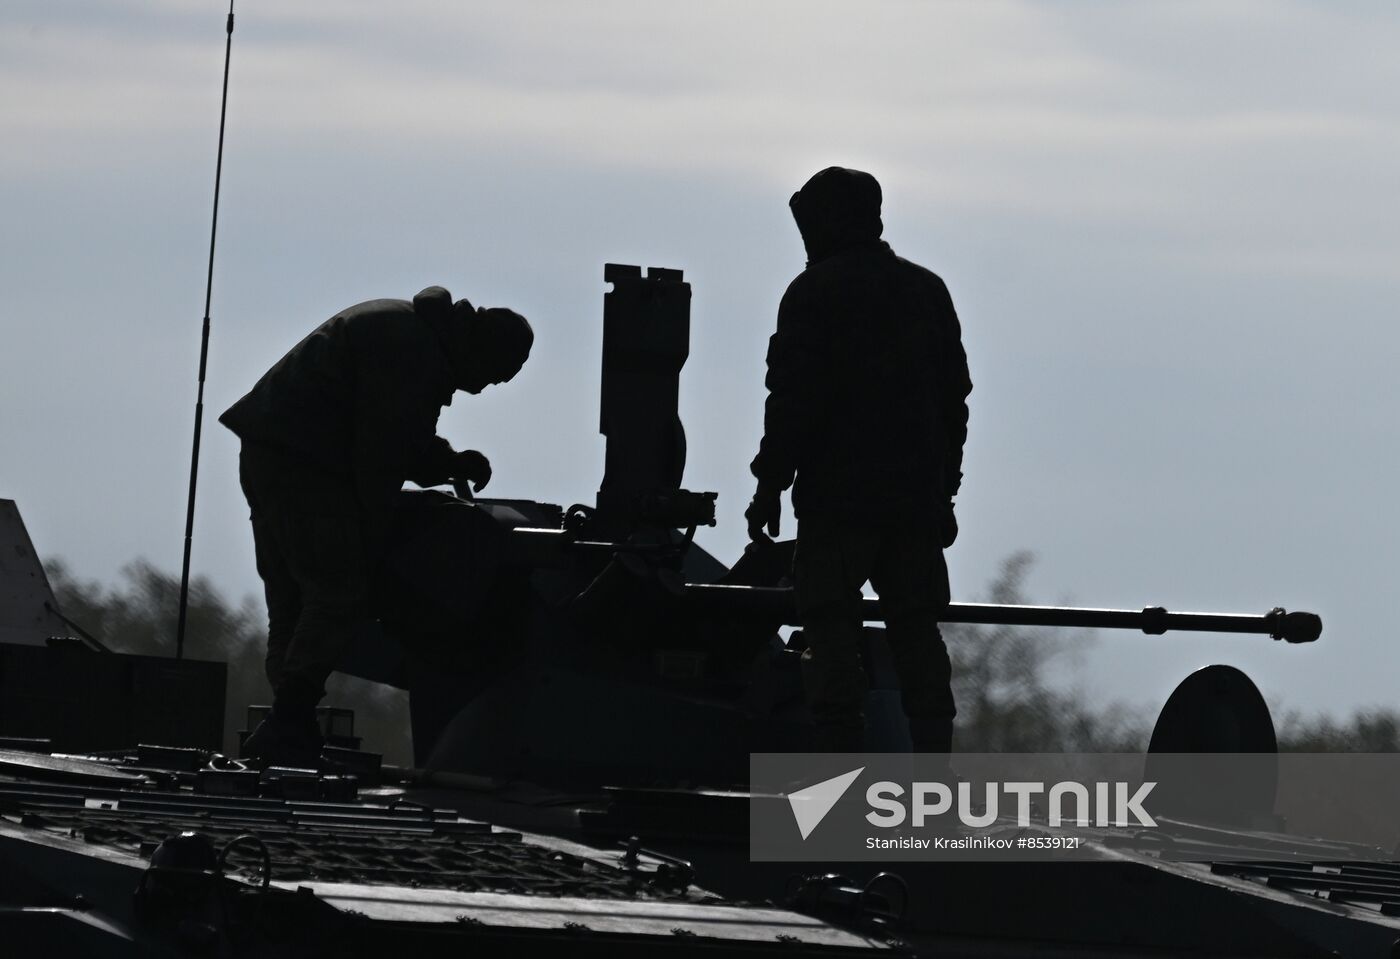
point(1171, 230)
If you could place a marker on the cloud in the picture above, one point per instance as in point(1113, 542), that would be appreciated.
point(1093, 112)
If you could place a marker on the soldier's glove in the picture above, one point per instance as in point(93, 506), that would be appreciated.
point(948, 526)
point(765, 510)
point(469, 465)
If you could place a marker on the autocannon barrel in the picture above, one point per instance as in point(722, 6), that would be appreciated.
point(777, 605)
point(546, 547)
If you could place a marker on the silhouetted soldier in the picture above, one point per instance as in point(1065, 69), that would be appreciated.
point(867, 411)
point(330, 434)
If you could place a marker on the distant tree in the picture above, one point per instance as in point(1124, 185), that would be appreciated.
point(1368, 730)
point(1005, 703)
point(1001, 681)
point(140, 613)
point(139, 616)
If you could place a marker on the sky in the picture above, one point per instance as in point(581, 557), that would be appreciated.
point(1171, 231)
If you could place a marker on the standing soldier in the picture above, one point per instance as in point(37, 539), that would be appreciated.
point(330, 434)
point(866, 419)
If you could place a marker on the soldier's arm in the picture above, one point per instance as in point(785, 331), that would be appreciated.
point(434, 463)
point(396, 411)
point(797, 363)
point(429, 459)
point(956, 385)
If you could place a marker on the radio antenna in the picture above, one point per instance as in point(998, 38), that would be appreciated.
point(203, 357)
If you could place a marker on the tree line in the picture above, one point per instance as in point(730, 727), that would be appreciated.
point(1002, 675)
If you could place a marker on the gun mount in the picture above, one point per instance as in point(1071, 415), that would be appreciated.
point(777, 604)
point(1295, 627)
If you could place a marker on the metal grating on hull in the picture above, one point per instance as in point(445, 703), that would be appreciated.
point(404, 845)
point(1374, 885)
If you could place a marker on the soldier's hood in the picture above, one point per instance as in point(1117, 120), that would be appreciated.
point(434, 305)
point(835, 210)
point(497, 337)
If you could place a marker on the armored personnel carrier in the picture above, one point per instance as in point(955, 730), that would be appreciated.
point(587, 686)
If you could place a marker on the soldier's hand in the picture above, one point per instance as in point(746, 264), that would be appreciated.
point(765, 510)
point(948, 526)
point(472, 466)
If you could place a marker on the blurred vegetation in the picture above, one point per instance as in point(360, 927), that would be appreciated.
point(139, 615)
point(1370, 730)
point(1007, 698)
point(1006, 701)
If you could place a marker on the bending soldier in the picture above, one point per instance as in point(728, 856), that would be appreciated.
point(866, 418)
point(329, 435)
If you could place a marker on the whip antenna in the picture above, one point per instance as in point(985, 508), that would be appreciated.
point(203, 356)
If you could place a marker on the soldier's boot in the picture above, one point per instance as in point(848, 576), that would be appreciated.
point(285, 742)
point(932, 740)
point(931, 735)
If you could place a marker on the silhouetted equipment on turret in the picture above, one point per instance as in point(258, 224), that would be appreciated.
point(1214, 752)
point(582, 645)
point(646, 341)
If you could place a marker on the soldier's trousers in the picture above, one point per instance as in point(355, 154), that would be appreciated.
point(905, 565)
point(312, 559)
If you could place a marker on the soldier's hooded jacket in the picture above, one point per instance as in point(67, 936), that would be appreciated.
point(358, 399)
point(867, 377)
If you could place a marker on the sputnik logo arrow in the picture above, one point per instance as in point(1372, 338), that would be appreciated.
point(810, 805)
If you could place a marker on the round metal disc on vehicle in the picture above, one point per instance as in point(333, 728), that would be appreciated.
point(63, 769)
point(1213, 751)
